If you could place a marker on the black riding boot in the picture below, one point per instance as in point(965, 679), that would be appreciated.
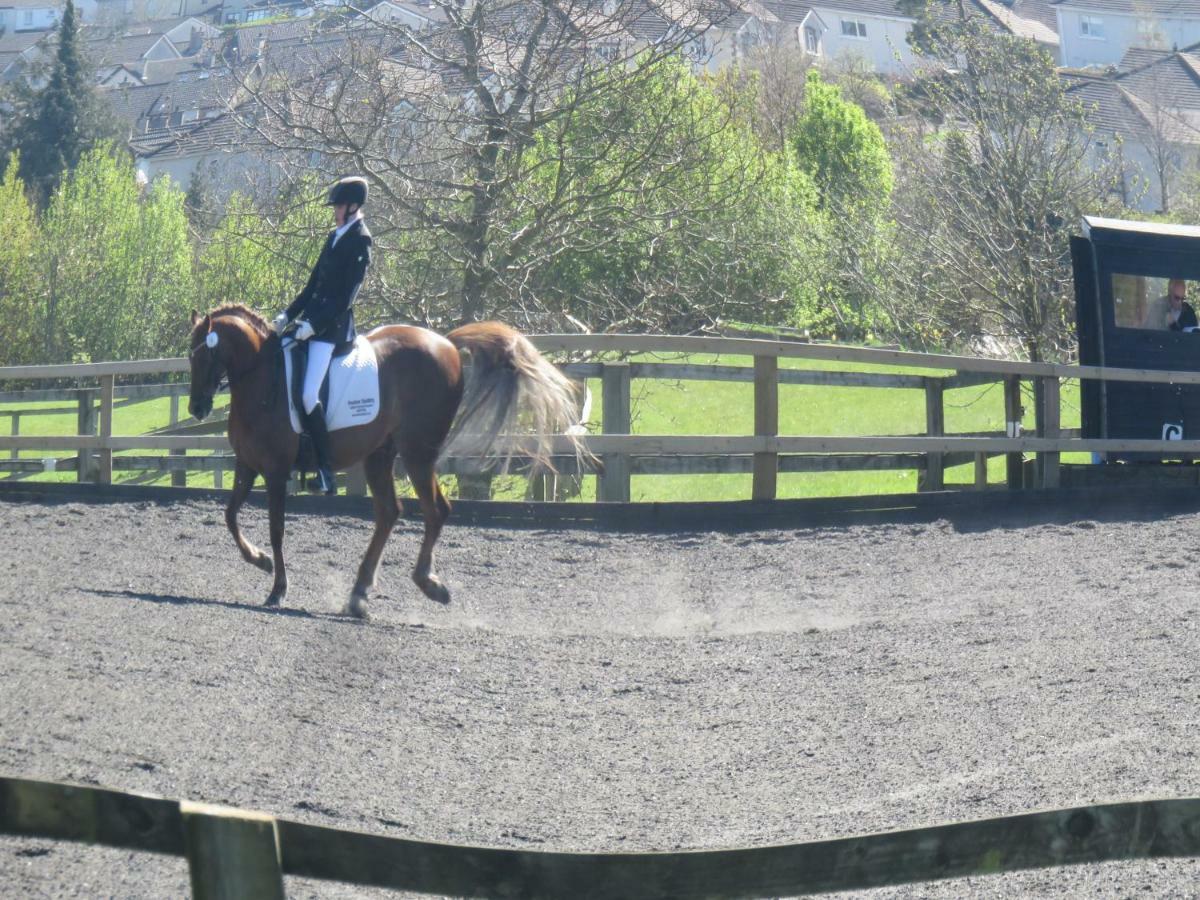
point(315, 423)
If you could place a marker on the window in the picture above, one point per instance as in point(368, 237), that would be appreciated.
point(27, 18)
point(1092, 27)
point(1145, 301)
point(1148, 32)
point(811, 42)
point(854, 28)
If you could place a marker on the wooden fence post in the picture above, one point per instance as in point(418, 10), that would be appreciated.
point(356, 481)
point(178, 479)
point(86, 425)
point(1050, 422)
point(104, 475)
point(231, 853)
point(981, 462)
point(1012, 420)
point(616, 418)
point(16, 431)
point(766, 423)
point(935, 426)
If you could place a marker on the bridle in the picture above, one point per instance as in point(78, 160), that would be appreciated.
point(229, 378)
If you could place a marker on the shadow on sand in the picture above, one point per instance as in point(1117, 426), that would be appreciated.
point(176, 600)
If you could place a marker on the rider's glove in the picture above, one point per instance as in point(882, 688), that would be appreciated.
point(280, 322)
point(304, 331)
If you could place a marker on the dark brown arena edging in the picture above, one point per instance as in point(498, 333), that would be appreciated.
point(1127, 501)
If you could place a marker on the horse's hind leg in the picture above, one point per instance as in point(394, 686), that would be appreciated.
point(435, 509)
point(243, 481)
point(379, 471)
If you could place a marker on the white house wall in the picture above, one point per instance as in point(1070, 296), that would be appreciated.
point(1120, 33)
point(229, 172)
point(885, 48)
point(29, 19)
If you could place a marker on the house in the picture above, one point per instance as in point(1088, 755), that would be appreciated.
point(188, 120)
point(28, 15)
point(1145, 117)
point(235, 12)
point(1100, 32)
point(876, 32)
point(248, 42)
point(124, 56)
point(417, 16)
point(760, 23)
point(18, 52)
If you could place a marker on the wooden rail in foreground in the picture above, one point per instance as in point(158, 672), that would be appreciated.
point(764, 454)
point(237, 854)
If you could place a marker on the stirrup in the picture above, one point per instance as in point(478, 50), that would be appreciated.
point(322, 482)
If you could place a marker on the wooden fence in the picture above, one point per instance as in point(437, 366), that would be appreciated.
point(764, 454)
point(236, 854)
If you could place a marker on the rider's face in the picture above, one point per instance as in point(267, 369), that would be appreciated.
point(339, 213)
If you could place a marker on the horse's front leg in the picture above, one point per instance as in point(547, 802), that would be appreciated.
point(276, 495)
point(243, 481)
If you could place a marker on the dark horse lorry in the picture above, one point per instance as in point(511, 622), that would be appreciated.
point(1122, 272)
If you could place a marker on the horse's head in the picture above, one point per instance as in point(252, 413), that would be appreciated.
point(209, 363)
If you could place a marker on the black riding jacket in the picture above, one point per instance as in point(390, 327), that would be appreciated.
point(326, 300)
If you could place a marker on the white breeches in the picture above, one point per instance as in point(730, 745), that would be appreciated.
point(319, 354)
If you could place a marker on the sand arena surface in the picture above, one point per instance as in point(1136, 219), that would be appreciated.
point(592, 690)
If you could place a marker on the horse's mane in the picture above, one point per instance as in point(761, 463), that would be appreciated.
point(257, 322)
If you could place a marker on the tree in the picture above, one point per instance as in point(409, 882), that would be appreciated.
point(443, 121)
point(115, 264)
point(261, 257)
point(845, 155)
point(18, 273)
point(770, 83)
point(1164, 127)
point(64, 119)
point(716, 228)
point(841, 149)
point(986, 202)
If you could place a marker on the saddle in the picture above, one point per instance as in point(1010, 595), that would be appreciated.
point(350, 392)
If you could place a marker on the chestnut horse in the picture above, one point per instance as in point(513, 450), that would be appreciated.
point(421, 390)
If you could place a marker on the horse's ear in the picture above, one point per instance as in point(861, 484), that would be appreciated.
point(195, 318)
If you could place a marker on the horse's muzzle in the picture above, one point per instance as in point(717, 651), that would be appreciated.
point(200, 409)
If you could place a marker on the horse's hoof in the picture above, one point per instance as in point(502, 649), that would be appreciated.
point(274, 600)
point(436, 591)
point(264, 562)
point(356, 607)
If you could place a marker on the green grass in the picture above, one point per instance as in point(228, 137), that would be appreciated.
point(685, 408)
point(724, 408)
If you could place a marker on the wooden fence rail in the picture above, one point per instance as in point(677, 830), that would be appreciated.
point(235, 854)
point(623, 454)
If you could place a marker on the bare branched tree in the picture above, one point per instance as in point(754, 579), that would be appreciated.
point(1157, 91)
point(985, 204)
point(467, 126)
point(773, 75)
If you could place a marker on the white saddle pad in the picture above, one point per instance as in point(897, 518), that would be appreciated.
point(353, 387)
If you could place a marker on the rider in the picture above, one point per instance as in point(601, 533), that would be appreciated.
point(322, 309)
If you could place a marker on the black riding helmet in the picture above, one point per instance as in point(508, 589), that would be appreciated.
point(349, 190)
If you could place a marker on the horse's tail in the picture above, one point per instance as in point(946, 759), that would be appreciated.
point(508, 375)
